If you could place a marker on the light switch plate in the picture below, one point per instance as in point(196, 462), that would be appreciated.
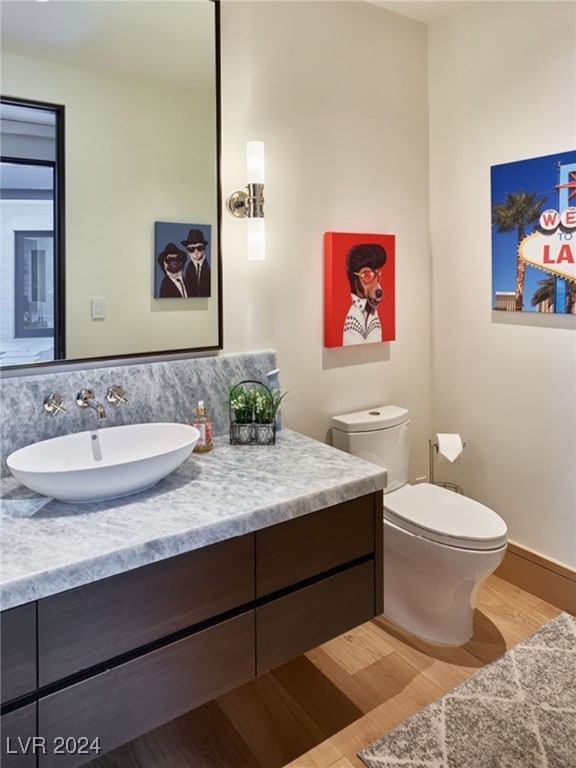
point(98, 309)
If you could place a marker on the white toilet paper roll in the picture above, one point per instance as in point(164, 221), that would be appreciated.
point(449, 447)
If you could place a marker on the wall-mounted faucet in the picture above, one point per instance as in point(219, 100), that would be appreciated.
point(87, 399)
point(54, 404)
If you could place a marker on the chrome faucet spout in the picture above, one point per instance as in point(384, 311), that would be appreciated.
point(87, 399)
point(100, 411)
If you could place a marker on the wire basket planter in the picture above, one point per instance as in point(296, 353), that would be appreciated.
point(253, 409)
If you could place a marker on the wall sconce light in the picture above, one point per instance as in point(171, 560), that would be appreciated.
point(250, 205)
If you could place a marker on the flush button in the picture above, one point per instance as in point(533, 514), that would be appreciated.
point(374, 413)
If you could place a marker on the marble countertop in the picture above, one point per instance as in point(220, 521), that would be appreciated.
point(47, 547)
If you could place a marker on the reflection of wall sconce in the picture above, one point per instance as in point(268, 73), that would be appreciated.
point(250, 205)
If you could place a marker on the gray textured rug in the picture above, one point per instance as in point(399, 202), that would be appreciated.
point(517, 712)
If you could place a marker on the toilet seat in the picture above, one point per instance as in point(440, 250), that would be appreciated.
point(446, 517)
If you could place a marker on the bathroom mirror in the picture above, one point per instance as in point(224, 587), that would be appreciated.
point(138, 81)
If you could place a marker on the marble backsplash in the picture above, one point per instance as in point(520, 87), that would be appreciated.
point(156, 391)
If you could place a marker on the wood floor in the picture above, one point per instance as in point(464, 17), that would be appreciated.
point(320, 709)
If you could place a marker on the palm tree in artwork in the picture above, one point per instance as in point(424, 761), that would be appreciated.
point(546, 292)
point(519, 211)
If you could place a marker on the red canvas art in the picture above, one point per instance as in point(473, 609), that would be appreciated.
point(359, 289)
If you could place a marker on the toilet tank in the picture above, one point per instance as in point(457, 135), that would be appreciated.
point(379, 435)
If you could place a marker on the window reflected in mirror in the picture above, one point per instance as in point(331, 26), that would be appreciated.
point(30, 254)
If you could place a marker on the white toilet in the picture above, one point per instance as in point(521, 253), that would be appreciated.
point(439, 546)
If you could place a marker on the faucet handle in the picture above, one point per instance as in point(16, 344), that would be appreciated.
point(54, 404)
point(117, 395)
point(83, 396)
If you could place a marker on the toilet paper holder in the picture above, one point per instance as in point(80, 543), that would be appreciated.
point(432, 452)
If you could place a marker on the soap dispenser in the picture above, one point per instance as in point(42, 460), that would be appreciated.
point(204, 425)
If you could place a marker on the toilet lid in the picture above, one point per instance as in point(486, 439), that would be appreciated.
point(441, 515)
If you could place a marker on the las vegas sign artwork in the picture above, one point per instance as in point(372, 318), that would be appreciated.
point(553, 248)
point(534, 234)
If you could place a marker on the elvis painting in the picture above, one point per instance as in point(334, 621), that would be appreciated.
point(359, 283)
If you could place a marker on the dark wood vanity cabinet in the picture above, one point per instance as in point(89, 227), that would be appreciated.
point(294, 551)
point(119, 704)
point(18, 727)
point(290, 625)
point(18, 651)
point(125, 654)
point(317, 552)
point(19, 738)
point(84, 627)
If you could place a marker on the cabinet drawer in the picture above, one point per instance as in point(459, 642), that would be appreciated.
point(19, 747)
point(292, 624)
point(88, 625)
point(18, 651)
point(306, 546)
point(129, 700)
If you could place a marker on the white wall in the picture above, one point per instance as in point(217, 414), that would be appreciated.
point(502, 88)
point(338, 92)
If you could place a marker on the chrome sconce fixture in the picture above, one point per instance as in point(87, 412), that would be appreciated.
point(250, 205)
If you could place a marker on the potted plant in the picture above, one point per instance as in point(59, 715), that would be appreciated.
point(266, 404)
point(253, 410)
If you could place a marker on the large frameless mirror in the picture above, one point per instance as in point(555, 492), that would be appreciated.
point(109, 180)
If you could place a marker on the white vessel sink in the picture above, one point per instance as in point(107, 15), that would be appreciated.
point(103, 463)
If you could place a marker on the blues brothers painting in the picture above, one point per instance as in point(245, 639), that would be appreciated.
point(181, 260)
